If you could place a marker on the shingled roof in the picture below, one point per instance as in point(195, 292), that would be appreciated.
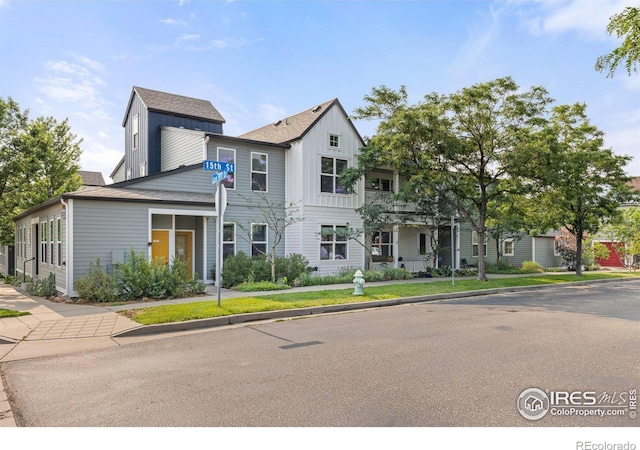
point(175, 104)
point(91, 178)
point(293, 127)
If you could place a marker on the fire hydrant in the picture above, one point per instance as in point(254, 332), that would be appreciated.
point(358, 281)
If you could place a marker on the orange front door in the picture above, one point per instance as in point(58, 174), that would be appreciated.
point(184, 245)
point(160, 246)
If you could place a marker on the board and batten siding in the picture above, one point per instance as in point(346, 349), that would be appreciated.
point(306, 160)
point(135, 157)
point(314, 218)
point(180, 147)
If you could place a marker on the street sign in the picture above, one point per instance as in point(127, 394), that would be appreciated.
point(220, 176)
point(219, 166)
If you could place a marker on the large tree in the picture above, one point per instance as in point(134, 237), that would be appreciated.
point(582, 184)
point(468, 143)
point(38, 160)
point(625, 25)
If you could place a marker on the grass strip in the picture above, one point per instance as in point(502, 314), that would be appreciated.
point(10, 313)
point(261, 303)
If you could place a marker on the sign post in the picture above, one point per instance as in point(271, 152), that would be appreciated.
point(222, 170)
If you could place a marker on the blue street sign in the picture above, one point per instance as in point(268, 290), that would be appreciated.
point(219, 166)
point(219, 176)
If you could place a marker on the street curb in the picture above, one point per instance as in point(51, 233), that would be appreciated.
point(197, 324)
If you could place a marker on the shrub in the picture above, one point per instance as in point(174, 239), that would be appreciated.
point(235, 270)
point(291, 267)
point(43, 288)
point(97, 285)
point(532, 266)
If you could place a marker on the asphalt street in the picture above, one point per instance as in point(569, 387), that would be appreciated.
point(451, 363)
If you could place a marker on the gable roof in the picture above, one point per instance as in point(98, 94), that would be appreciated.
point(91, 178)
point(174, 104)
point(294, 127)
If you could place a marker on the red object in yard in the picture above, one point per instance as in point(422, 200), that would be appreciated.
point(614, 260)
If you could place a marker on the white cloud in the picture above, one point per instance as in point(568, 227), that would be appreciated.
point(588, 19)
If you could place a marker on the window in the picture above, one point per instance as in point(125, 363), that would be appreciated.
point(380, 184)
point(333, 242)
point(228, 155)
point(59, 241)
point(128, 174)
point(143, 170)
point(508, 247)
point(331, 169)
point(556, 248)
point(422, 244)
point(228, 239)
point(43, 242)
point(258, 171)
point(258, 239)
point(474, 244)
point(51, 240)
point(381, 246)
point(334, 141)
point(135, 132)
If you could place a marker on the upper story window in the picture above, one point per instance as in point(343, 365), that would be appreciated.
point(135, 132)
point(143, 169)
point(331, 169)
point(259, 171)
point(334, 141)
point(228, 155)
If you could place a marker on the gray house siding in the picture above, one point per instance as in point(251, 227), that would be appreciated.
point(180, 147)
point(544, 248)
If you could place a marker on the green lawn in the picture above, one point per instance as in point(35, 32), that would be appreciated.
point(10, 313)
point(250, 304)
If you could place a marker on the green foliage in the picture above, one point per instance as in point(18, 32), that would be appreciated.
point(532, 267)
point(39, 159)
point(138, 278)
point(43, 288)
point(97, 285)
point(10, 313)
point(260, 286)
point(345, 276)
point(241, 268)
point(627, 25)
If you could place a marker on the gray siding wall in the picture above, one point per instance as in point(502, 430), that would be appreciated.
point(180, 147)
point(544, 252)
point(50, 264)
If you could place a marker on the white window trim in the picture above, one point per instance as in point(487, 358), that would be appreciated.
point(266, 237)
point(51, 243)
point(474, 241)
point(43, 242)
point(513, 247)
point(339, 139)
point(235, 248)
point(135, 131)
point(266, 172)
point(235, 156)
point(58, 242)
point(334, 174)
point(333, 243)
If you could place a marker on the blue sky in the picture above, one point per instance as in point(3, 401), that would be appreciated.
point(258, 61)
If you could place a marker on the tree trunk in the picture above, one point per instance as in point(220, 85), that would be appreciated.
point(579, 252)
point(273, 266)
point(482, 276)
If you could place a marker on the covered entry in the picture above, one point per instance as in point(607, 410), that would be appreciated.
point(180, 234)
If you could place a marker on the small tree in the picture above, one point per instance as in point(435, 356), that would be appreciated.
point(278, 218)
